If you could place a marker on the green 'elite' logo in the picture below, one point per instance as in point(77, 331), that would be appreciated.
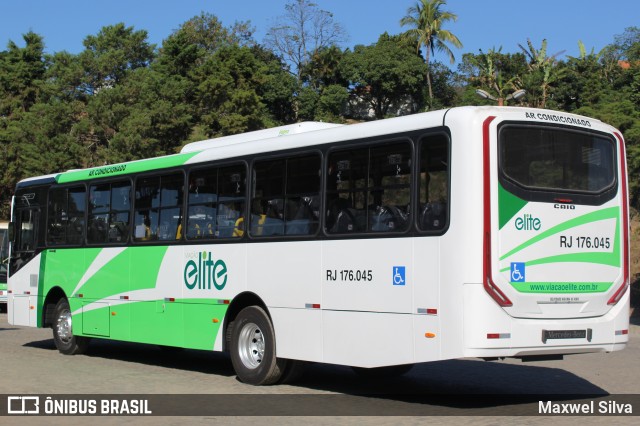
point(204, 271)
point(528, 223)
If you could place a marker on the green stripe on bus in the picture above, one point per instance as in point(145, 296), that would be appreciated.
point(609, 259)
point(143, 264)
point(125, 168)
point(608, 213)
point(562, 287)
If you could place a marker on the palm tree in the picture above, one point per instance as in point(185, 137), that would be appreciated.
point(427, 19)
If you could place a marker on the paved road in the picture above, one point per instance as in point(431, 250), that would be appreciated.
point(31, 364)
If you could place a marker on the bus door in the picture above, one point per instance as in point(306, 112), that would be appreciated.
point(557, 220)
point(23, 272)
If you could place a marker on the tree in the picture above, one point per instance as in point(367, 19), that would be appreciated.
point(22, 71)
point(301, 32)
point(543, 73)
point(279, 87)
point(584, 80)
point(386, 77)
point(22, 81)
point(112, 53)
point(493, 71)
point(196, 40)
point(627, 44)
point(145, 116)
point(228, 96)
point(427, 19)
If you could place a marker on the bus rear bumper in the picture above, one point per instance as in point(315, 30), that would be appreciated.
point(497, 334)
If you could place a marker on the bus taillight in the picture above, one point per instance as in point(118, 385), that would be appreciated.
point(489, 285)
point(625, 227)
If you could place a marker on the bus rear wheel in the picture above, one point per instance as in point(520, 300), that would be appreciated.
point(253, 348)
point(63, 337)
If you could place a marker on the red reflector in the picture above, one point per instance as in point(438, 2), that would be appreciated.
point(124, 297)
point(27, 292)
point(169, 299)
point(498, 335)
point(223, 302)
point(563, 200)
point(622, 332)
point(432, 311)
point(81, 295)
point(10, 291)
point(312, 305)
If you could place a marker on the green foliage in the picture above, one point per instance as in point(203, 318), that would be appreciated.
point(543, 73)
point(385, 76)
point(121, 99)
point(112, 53)
point(145, 116)
point(227, 95)
point(426, 19)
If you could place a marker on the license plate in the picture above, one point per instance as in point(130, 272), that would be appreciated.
point(566, 334)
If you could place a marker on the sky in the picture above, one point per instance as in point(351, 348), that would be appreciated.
point(482, 24)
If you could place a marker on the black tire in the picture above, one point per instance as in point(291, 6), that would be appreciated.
point(253, 348)
point(383, 372)
point(63, 337)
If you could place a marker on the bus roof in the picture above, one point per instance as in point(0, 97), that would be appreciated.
point(305, 134)
point(291, 129)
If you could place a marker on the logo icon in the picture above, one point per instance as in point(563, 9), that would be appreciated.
point(517, 272)
point(398, 275)
point(528, 223)
point(23, 405)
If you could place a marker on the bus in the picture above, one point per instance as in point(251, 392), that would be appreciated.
point(480, 232)
point(4, 260)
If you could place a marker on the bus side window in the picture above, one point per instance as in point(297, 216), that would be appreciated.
point(434, 183)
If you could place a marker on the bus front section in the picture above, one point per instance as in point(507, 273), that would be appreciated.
point(556, 238)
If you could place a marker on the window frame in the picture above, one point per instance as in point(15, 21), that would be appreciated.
point(159, 174)
point(550, 195)
point(418, 209)
point(110, 182)
point(285, 156)
point(369, 144)
point(217, 166)
point(67, 189)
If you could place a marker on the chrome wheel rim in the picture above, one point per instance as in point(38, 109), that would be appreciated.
point(251, 346)
point(63, 326)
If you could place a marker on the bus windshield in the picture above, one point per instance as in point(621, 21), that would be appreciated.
point(556, 160)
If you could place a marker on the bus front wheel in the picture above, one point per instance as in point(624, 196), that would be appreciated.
point(253, 348)
point(63, 337)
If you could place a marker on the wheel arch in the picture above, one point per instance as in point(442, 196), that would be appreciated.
point(238, 303)
point(49, 306)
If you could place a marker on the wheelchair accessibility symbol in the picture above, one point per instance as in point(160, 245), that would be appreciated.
point(398, 275)
point(517, 272)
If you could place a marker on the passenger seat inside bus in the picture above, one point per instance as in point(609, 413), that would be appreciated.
point(341, 216)
point(433, 216)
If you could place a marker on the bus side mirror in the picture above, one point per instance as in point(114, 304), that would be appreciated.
point(11, 231)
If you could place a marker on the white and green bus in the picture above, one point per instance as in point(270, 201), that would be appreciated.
point(481, 232)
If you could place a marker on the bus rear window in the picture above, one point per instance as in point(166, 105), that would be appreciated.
point(535, 161)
